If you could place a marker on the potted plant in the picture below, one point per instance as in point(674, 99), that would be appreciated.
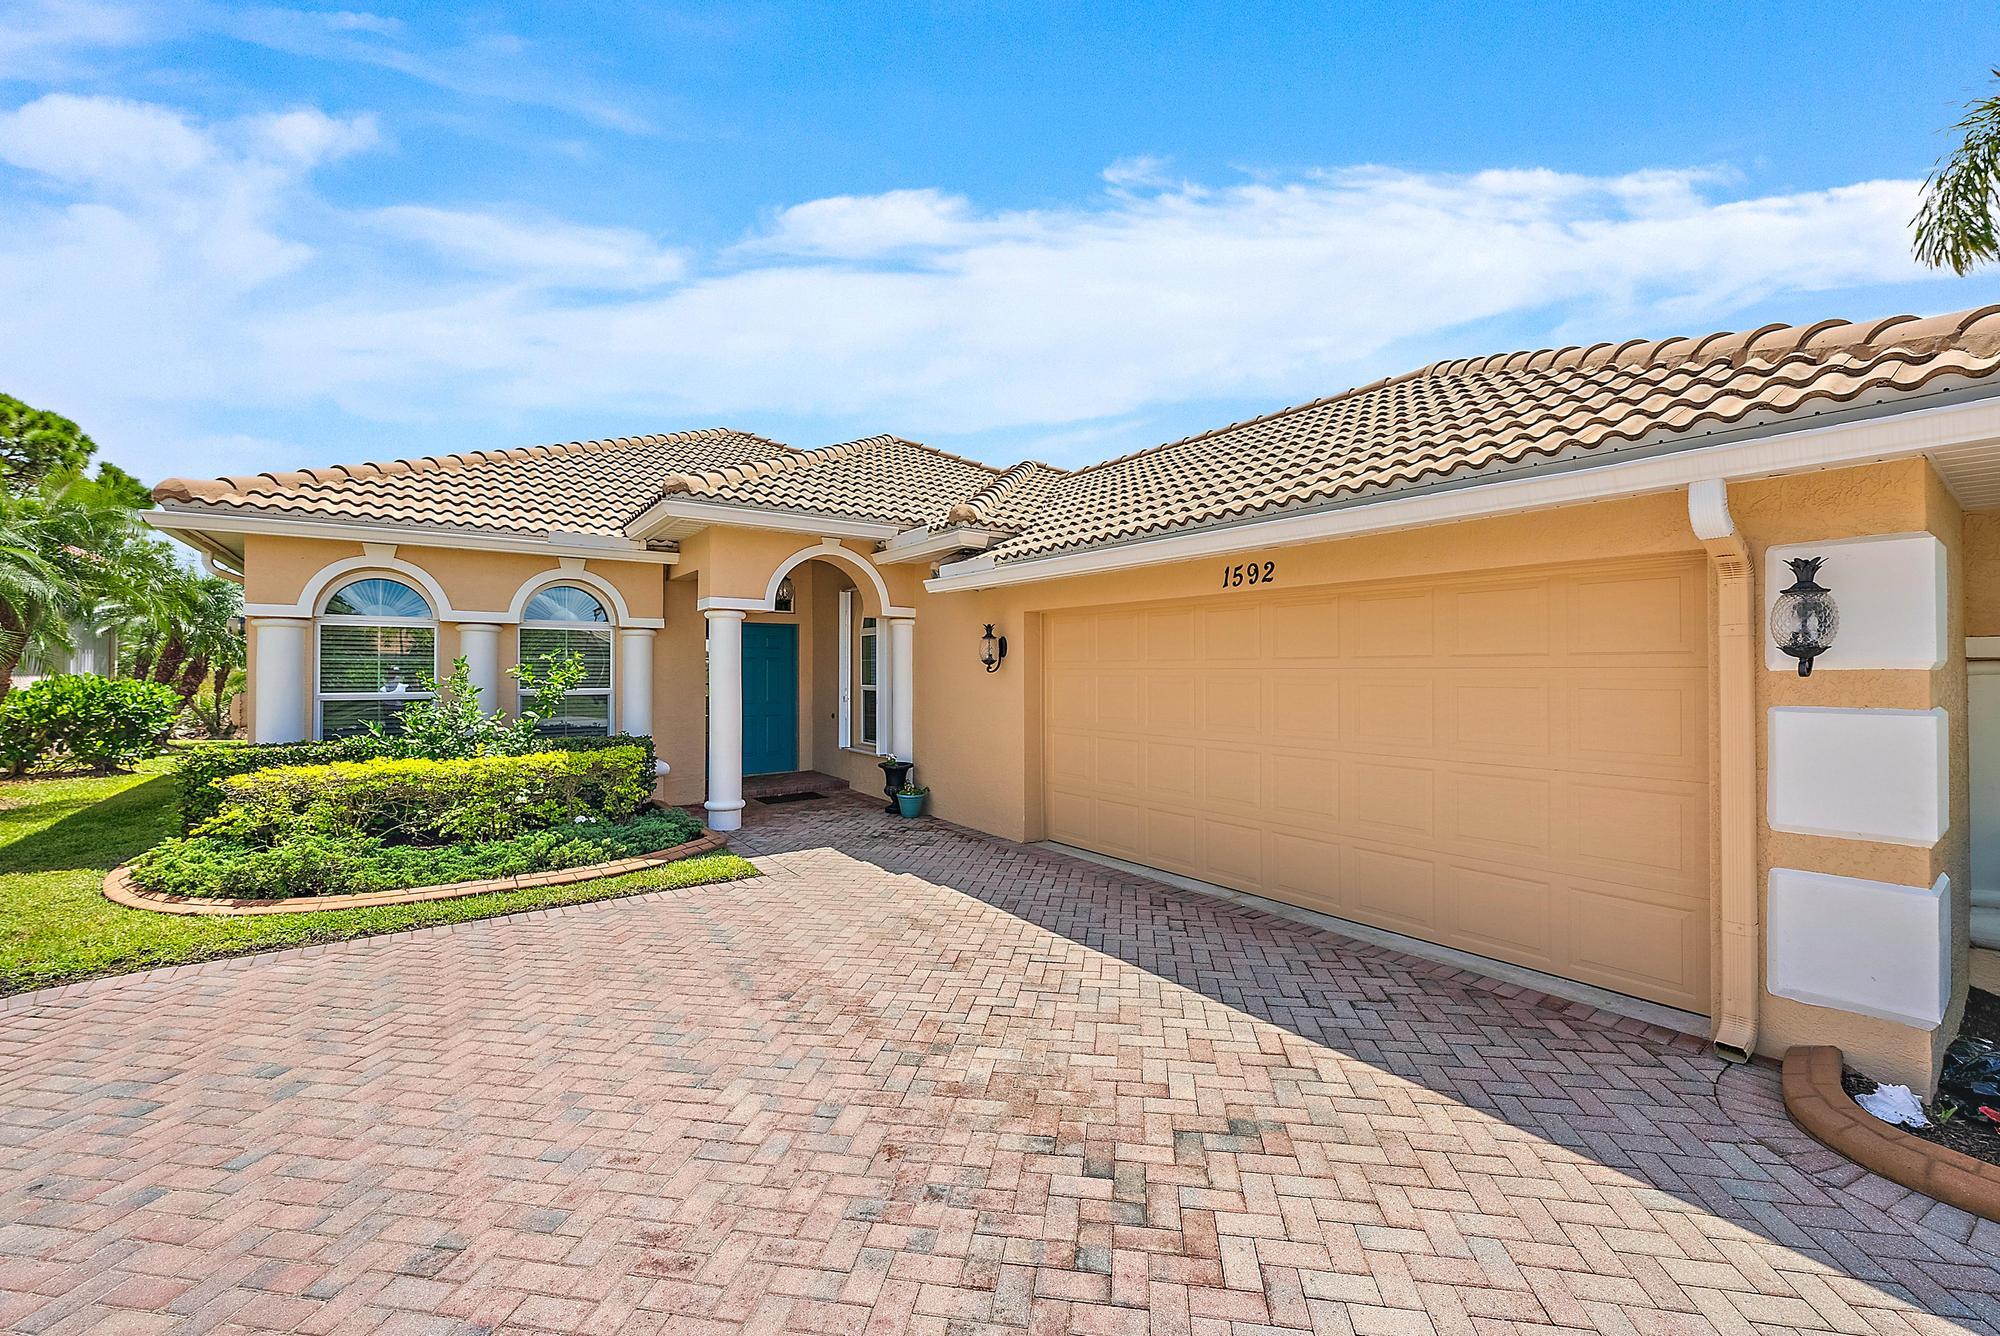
point(910, 799)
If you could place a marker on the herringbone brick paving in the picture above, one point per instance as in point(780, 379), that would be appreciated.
point(916, 1080)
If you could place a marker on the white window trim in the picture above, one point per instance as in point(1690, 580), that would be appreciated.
point(610, 629)
point(846, 668)
point(876, 743)
point(326, 619)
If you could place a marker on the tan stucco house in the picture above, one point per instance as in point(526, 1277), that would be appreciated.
point(1479, 655)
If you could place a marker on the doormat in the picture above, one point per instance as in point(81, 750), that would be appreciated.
point(772, 800)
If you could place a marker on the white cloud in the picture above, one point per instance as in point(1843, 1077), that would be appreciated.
point(1138, 171)
point(191, 271)
point(543, 252)
point(42, 39)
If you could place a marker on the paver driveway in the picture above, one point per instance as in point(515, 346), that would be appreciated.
point(913, 1080)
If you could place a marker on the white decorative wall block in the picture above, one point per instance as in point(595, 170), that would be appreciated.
point(1890, 590)
point(1868, 947)
point(1860, 774)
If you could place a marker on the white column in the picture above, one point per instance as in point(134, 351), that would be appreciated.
point(278, 678)
point(635, 680)
point(725, 718)
point(903, 688)
point(479, 646)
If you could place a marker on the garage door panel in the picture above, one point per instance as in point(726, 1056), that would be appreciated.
point(1233, 853)
point(1232, 702)
point(1628, 827)
point(1304, 630)
point(1501, 716)
point(1498, 621)
point(1118, 639)
point(1170, 702)
point(1390, 889)
point(1650, 948)
point(1232, 776)
point(1383, 800)
point(1396, 712)
point(1232, 632)
point(1305, 703)
point(1072, 760)
point(1120, 825)
point(1501, 914)
point(1639, 614)
point(1117, 764)
point(1639, 723)
point(1389, 626)
point(1302, 787)
point(1303, 870)
point(1172, 772)
point(1173, 841)
point(1513, 766)
point(1170, 635)
point(1499, 812)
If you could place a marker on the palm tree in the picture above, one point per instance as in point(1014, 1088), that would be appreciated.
point(1954, 225)
point(186, 635)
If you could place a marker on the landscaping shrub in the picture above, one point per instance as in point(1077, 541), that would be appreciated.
point(310, 863)
point(199, 770)
point(430, 802)
point(103, 722)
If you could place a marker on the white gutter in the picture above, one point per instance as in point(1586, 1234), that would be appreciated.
point(1900, 435)
point(922, 545)
point(656, 517)
point(190, 525)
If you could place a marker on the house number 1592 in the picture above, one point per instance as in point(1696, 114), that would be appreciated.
point(1248, 573)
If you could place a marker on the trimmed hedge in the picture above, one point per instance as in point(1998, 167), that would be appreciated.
point(312, 864)
point(106, 723)
point(200, 770)
point(431, 802)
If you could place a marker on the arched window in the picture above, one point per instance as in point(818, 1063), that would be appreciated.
point(377, 652)
point(562, 620)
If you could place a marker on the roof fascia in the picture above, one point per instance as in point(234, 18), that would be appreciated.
point(198, 530)
point(729, 513)
point(921, 544)
point(1765, 452)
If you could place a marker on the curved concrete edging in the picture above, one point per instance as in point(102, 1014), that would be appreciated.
point(1818, 1103)
point(119, 888)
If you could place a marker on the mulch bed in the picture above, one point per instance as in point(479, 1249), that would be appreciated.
point(1970, 1083)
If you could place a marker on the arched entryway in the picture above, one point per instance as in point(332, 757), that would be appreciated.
point(824, 654)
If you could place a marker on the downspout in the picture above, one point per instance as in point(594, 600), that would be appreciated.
point(1736, 766)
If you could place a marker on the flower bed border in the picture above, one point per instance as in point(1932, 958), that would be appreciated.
point(1818, 1103)
point(119, 888)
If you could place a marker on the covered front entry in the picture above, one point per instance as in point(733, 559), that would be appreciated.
point(770, 697)
point(1513, 765)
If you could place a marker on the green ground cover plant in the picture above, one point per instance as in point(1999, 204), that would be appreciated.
point(59, 836)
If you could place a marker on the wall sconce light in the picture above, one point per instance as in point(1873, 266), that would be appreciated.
point(783, 602)
point(1805, 620)
point(992, 649)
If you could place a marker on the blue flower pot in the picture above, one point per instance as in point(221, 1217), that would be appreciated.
point(911, 804)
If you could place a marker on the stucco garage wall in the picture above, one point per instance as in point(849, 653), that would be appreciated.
point(979, 734)
point(1896, 498)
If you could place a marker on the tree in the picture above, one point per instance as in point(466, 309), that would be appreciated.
point(1955, 225)
point(184, 634)
point(36, 445)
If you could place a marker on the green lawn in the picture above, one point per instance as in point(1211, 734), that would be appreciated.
point(58, 837)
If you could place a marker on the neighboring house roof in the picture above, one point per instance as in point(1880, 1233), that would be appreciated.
point(1452, 420)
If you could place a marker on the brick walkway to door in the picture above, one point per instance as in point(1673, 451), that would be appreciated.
point(915, 1080)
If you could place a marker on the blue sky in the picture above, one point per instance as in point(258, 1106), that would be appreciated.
point(236, 238)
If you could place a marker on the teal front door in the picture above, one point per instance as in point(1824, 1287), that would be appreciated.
point(770, 697)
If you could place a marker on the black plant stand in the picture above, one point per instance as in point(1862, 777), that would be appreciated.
point(895, 774)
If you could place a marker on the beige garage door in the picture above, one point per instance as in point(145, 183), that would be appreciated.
point(1512, 766)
